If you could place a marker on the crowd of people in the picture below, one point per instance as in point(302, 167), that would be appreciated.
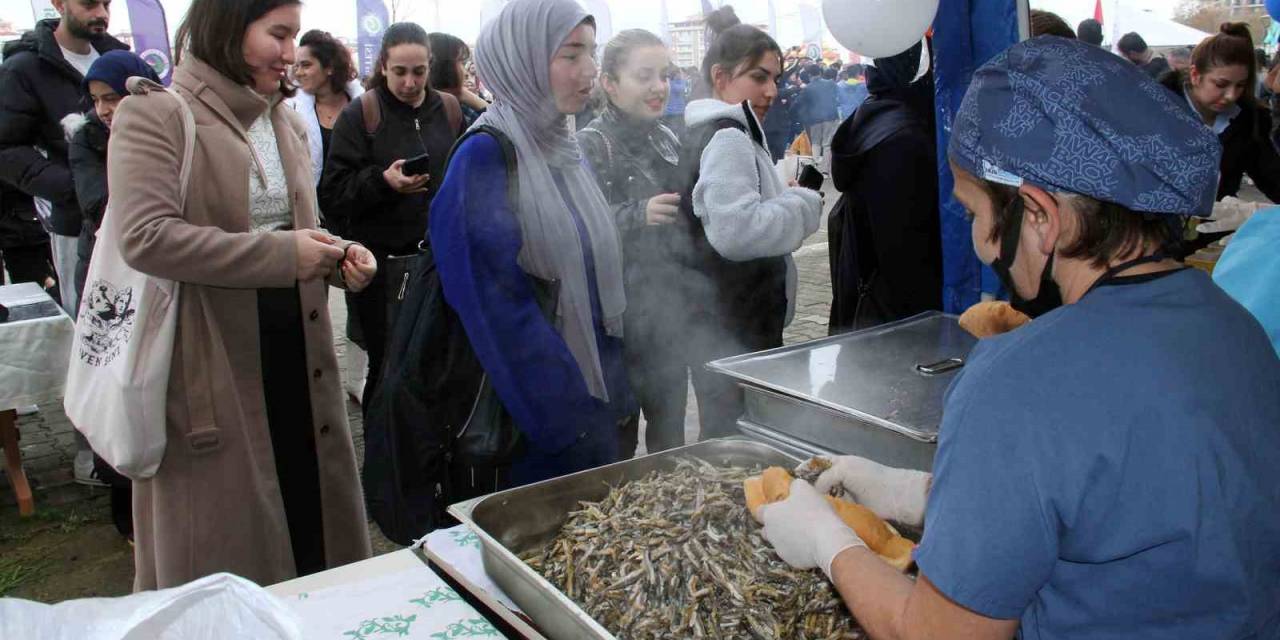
point(601, 226)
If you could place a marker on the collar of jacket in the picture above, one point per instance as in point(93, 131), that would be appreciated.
point(45, 45)
point(89, 127)
point(397, 106)
point(236, 103)
point(700, 112)
point(636, 135)
point(96, 133)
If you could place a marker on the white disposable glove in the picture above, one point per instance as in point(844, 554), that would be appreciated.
point(1230, 215)
point(899, 495)
point(805, 530)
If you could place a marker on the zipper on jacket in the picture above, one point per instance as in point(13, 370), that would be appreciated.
point(474, 405)
point(417, 127)
point(404, 283)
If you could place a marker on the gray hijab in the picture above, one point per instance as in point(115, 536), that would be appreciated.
point(513, 57)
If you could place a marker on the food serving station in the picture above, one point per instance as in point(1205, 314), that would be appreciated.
point(877, 393)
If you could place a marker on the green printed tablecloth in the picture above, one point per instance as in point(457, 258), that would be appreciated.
point(412, 603)
point(460, 548)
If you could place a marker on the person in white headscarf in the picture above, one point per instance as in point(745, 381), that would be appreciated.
point(504, 236)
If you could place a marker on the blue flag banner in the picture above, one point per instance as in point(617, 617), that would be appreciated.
point(371, 23)
point(967, 33)
point(151, 36)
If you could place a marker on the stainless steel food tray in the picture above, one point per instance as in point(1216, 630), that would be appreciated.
point(512, 522)
point(869, 392)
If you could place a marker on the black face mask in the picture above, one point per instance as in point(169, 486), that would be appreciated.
point(1049, 297)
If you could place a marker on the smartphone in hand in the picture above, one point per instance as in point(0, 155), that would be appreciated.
point(810, 178)
point(416, 165)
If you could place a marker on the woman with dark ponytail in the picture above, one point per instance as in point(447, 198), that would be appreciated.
point(740, 221)
point(1219, 85)
point(368, 188)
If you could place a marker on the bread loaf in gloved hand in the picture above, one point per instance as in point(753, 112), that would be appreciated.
point(987, 319)
point(774, 485)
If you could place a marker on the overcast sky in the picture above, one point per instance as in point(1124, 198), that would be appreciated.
point(463, 18)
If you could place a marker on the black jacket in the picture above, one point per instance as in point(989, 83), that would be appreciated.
point(19, 226)
point(632, 163)
point(88, 157)
point(38, 88)
point(1246, 147)
point(352, 189)
point(885, 237)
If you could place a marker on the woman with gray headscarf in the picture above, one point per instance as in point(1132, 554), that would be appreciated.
point(562, 380)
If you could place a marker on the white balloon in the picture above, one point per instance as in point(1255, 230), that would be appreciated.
point(878, 28)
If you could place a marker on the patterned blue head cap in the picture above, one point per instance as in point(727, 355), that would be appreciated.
point(1069, 117)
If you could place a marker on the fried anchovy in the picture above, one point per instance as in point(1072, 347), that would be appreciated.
point(676, 555)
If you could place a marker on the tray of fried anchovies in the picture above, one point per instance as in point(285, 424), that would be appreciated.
point(661, 546)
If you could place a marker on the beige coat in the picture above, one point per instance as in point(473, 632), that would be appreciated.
point(215, 504)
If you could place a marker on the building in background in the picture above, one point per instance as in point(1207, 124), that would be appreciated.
point(689, 40)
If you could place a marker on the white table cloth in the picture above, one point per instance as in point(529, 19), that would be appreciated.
point(390, 596)
point(34, 353)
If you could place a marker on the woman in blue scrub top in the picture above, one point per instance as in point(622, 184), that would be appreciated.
point(1102, 472)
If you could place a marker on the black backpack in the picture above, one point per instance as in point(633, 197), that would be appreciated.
point(435, 431)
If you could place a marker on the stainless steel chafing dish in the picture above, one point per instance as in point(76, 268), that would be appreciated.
point(876, 392)
point(512, 522)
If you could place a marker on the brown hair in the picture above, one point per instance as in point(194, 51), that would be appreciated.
point(396, 35)
point(1105, 229)
point(332, 55)
point(722, 20)
point(447, 51)
point(1231, 46)
point(213, 31)
point(1046, 23)
point(739, 45)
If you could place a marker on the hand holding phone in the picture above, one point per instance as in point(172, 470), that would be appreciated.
point(810, 178)
point(396, 178)
point(417, 165)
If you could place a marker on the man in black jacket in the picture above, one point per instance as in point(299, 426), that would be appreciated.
point(24, 244)
point(40, 84)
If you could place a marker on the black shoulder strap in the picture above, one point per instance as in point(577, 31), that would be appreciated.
point(508, 154)
point(608, 145)
point(697, 139)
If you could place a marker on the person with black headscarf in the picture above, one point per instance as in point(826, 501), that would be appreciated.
point(886, 251)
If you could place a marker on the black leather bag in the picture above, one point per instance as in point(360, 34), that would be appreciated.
point(489, 437)
point(435, 430)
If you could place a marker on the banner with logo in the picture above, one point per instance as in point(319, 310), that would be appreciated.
point(151, 36)
point(371, 22)
point(43, 10)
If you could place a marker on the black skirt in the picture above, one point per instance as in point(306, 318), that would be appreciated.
point(293, 441)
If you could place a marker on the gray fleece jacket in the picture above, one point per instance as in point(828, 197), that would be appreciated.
point(745, 208)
